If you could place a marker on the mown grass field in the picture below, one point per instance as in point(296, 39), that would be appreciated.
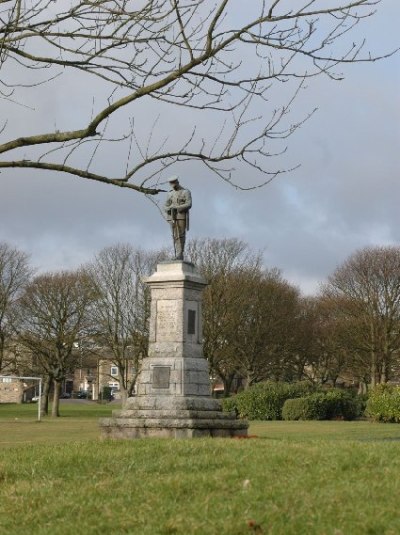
point(78, 421)
point(57, 477)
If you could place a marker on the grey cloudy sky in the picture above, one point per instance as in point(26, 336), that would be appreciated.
point(345, 195)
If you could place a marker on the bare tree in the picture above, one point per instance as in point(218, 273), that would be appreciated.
point(121, 311)
point(52, 318)
point(366, 291)
point(195, 54)
point(325, 333)
point(265, 345)
point(15, 273)
point(222, 262)
point(250, 315)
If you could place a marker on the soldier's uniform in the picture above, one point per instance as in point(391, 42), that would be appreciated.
point(177, 206)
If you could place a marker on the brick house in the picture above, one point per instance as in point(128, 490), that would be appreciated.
point(94, 374)
point(11, 390)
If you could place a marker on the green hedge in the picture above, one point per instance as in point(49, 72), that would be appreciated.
point(293, 401)
point(313, 407)
point(264, 401)
point(329, 405)
point(383, 404)
point(341, 404)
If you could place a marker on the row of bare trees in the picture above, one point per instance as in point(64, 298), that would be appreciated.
point(363, 296)
point(249, 314)
point(257, 325)
point(50, 320)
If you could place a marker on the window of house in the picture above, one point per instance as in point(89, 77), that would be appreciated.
point(114, 371)
point(7, 379)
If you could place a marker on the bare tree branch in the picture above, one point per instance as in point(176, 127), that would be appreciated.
point(184, 54)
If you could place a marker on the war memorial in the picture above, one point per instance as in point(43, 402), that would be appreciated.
point(173, 392)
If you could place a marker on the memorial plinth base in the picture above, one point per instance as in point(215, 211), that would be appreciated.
point(184, 417)
point(173, 390)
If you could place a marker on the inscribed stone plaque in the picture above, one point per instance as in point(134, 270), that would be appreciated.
point(191, 322)
point(161, 376)
point(167, 320)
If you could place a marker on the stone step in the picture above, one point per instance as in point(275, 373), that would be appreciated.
point(173, 403)
point(177, 423)
point(188, 414)
point(133, 433)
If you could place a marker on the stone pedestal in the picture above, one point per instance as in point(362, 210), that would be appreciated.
point(173, 390)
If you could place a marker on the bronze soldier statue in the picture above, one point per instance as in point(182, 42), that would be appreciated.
point(177, 206)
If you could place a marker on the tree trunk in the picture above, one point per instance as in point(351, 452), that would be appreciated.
point(124, 395)
point(131, 389)
point(363, 387)
point(248, 380)
point(1, 351)
point(228, 380)
point(44, 409)
point(55, 410)
point(373, 369)
point(384, 372)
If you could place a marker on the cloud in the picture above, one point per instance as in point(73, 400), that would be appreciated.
point(342, 198)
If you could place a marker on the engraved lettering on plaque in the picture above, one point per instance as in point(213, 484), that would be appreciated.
point(161, 376)
point(191, 322)
point(167, 320)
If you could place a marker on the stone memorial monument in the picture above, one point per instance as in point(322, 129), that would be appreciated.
point(173, 391)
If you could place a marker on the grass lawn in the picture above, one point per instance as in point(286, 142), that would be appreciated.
point(57, 477)
point(78, 421)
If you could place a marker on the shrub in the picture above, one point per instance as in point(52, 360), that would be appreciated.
point(106, 393)
point(229, 404)
point(264, 401)
point(313, 407)
point(383, 404)
point(362, 399)
point(329, 405)
point(341, 404)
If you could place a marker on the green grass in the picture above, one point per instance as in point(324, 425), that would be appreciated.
point(338, 478)
point(78, 421)
point(68, 409)
point(329, 430)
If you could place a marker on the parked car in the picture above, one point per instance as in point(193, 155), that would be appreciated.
point(82, 395)
point(65, 395)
